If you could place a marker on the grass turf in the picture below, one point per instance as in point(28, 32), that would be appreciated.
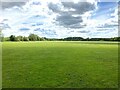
point(60, 64)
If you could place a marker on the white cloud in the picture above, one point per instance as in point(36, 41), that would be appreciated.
point(41, 19)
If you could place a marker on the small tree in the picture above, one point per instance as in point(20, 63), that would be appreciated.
point(6, 39)
point(25, 39)
point(12, 38)
point(20, 38)
point(33, 37)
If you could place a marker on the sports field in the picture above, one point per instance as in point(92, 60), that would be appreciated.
point(51, 64)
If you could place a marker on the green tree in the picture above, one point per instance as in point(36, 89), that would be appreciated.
point(33, 37)
point(0, 35)
point(19, 38)
point(6, 39)
point(12, 38)
point(25, 39)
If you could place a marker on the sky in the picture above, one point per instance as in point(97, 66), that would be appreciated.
point(59, 19)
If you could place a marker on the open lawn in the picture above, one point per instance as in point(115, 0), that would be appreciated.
point(60, 64)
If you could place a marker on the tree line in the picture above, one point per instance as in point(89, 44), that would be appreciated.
point(34, 37)
point(31, 37)
point(91, 39)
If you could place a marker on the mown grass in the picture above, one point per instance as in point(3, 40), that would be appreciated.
point(60, 64)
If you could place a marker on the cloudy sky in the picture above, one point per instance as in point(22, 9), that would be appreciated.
point(59, 19)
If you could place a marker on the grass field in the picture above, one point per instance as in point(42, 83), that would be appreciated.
point(60, 64)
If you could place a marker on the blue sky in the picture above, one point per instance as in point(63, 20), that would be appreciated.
point(57, 19)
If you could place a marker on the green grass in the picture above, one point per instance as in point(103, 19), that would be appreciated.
point(60, 65)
